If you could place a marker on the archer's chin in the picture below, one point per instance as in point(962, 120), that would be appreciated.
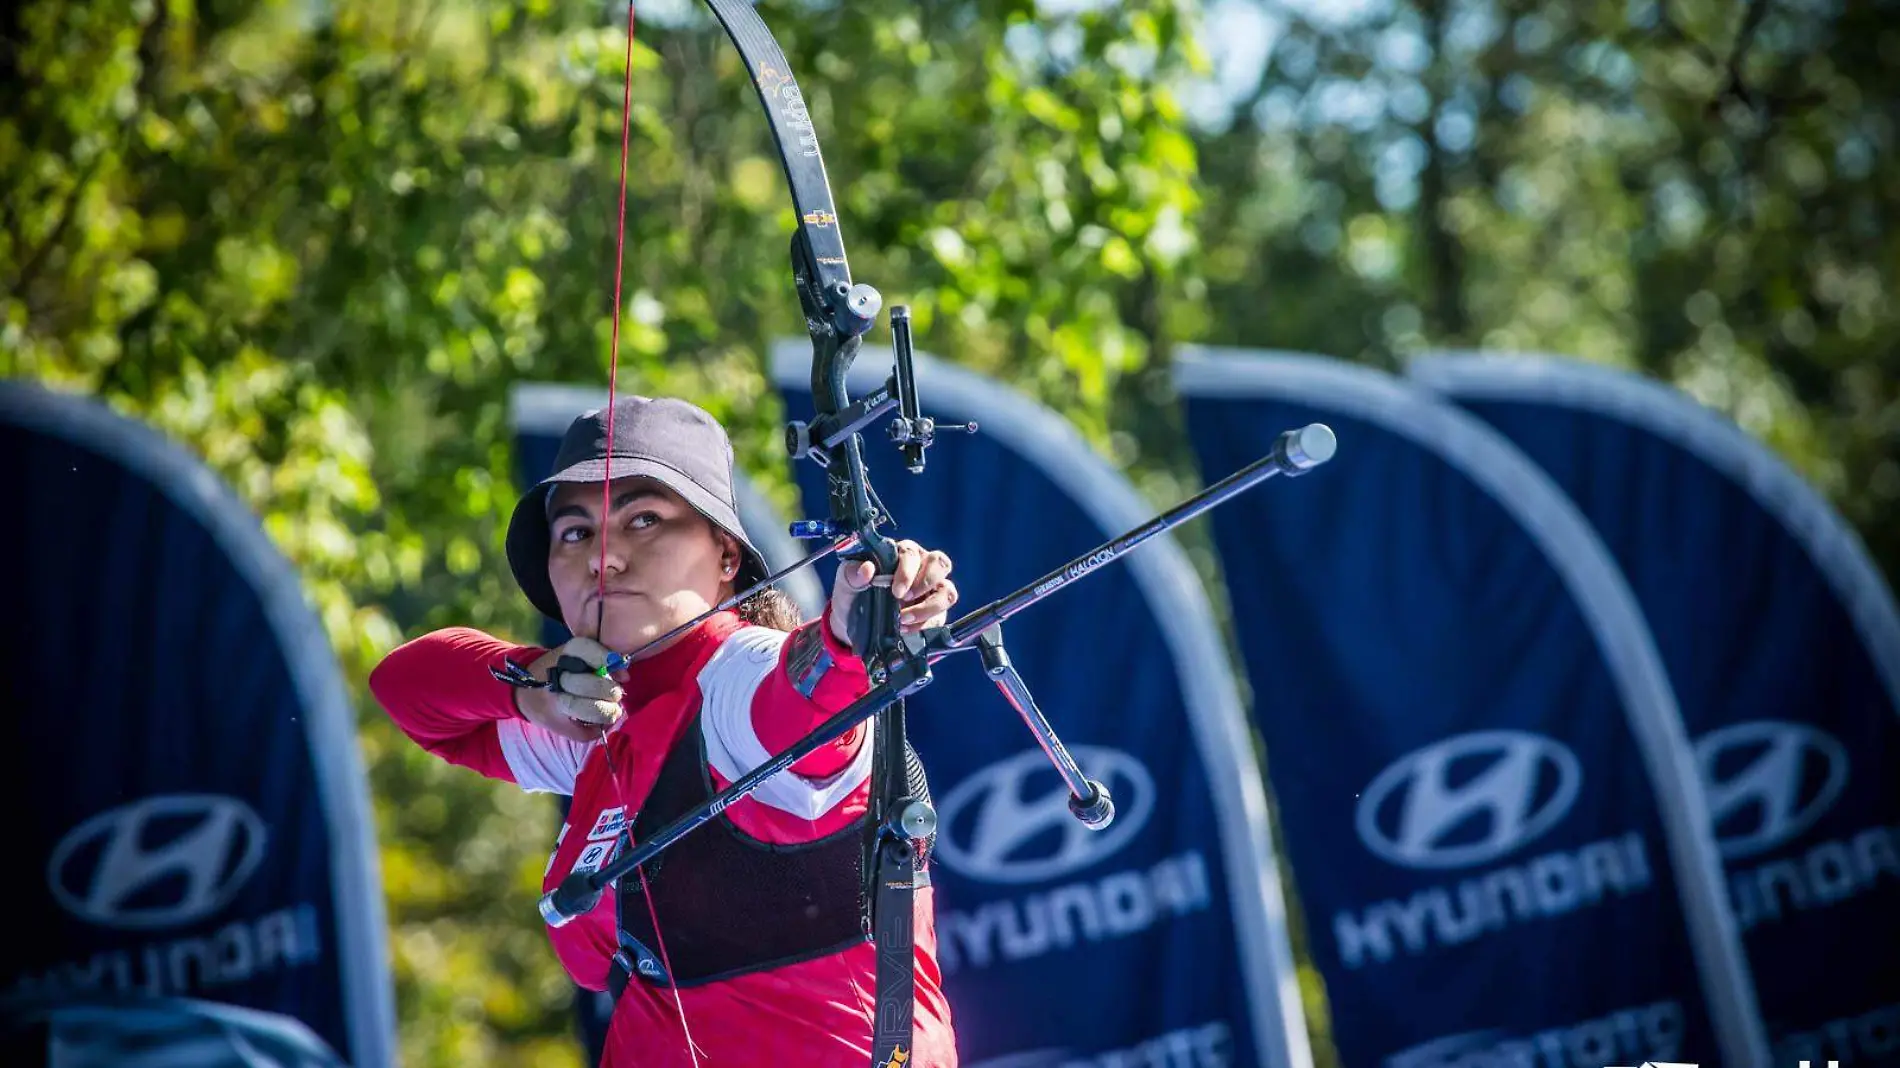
point(625, 626)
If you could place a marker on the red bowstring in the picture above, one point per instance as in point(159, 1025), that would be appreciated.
point(646, 892)
point(606, 504)
point(613, 365)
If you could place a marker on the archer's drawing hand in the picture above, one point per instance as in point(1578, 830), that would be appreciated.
point(581, 705)
point(921, 585)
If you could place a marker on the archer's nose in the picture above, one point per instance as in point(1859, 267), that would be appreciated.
point(615, 562)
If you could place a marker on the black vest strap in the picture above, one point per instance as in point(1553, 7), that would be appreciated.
point(729, 903)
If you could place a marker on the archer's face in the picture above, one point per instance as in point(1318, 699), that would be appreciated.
point(664, 562)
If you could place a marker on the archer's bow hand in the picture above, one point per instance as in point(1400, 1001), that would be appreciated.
point(921, 585)
point(578, 703)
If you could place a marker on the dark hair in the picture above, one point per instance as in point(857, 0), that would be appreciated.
point(771, 607)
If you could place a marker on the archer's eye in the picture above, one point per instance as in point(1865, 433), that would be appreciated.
point(644, 520)
point(572, 535)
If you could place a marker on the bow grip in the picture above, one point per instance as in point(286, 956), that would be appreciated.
point(864, 626)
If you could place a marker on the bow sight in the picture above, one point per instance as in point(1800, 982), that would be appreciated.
point(911, 430)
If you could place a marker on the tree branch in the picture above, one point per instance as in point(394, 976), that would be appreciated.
point(30, 270)
point(1737, 87)
point(148, 53)
point(1443, 255)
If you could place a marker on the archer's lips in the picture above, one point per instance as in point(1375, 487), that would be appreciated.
point(594, 596)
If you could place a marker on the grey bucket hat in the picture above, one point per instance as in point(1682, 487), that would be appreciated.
point(670, 441)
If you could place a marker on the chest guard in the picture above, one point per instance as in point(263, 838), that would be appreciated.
point(729, 903)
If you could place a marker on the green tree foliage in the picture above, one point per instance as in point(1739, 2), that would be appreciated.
point(318, 244)
point(1700, 190)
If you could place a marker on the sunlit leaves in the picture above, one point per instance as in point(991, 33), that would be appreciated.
point(1607, 180)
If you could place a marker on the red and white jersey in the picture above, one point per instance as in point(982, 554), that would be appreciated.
point(756, 691)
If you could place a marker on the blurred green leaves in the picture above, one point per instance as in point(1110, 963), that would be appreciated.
point(1697, 190)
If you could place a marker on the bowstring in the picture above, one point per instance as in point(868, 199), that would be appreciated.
point(606, 504)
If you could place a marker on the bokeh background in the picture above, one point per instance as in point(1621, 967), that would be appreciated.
point(317, 242)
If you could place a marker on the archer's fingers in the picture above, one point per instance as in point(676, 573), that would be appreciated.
point(910, 559)
point(591, 687)
point(571, 729)
point(603, 713)
point(932, 569)
point(857, 574)
point(587, 649)
point(930, 610)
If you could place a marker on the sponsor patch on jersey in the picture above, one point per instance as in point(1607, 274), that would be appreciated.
point(609, 823)
point(808, 660)
point(594, 855)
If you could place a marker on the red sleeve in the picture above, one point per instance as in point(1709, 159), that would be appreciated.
point(817, 675)
point(438, 691)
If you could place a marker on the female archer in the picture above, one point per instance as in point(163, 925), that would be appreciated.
point(741, 944)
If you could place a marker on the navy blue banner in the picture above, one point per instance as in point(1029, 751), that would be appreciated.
point(540, 413)
point(1783, 647)
point(140, 1031)
point(1160, 940)
point(1492, 810)
point(192, 815)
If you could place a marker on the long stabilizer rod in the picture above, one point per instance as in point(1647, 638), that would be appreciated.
point(1294, 453)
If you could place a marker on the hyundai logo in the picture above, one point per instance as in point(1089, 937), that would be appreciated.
point(1468, 799)
point(1010, 822)
point(161, 862)
point(1767, 782)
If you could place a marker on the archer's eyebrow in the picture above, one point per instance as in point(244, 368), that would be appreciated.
point(620, 502)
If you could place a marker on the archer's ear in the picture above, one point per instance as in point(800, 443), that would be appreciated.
point(729, 548)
